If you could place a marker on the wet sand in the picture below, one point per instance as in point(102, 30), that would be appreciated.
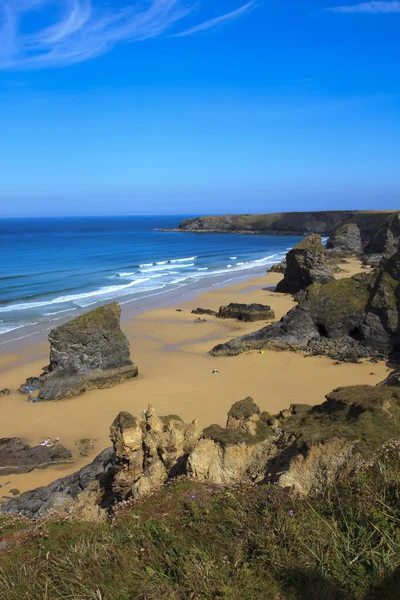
point(170, 350)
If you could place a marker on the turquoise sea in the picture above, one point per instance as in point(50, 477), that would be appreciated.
point(53, 269)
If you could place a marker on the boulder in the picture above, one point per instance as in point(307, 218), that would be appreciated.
point(278, 267)
point(18, 457)
point(4, 392)
point(86, 353)
point(246, 312)
point(386, 240)
point(346, 238)
point(306, 264)
point(204, 311)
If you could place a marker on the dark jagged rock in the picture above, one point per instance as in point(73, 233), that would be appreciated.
point(246, 312)
point(204, 311)
point(278, 267)
point(17, 457)
point(86, 353)
point(346, 319)
point(386, 240)
point(32, 384)
point(294, 331)
point(36, 503)
point(392, 266)
point(5, 392)
point(372, 260)
point(305, 264)
point(392, 380)
point(346, 238)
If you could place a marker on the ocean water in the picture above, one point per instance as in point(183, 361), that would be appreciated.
point(53, 269)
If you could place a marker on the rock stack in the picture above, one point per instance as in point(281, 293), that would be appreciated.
point(86, 353)
point(306, 263)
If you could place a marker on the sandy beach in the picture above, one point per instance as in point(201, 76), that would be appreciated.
point(170, 350)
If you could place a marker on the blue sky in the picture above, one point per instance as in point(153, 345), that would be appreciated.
point(174, 106)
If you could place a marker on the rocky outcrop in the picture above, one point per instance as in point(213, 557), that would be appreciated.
point(60, 494)
point(4, 392)
point(238, 452)
point(392, 380)
point(241, 312)
point(86, 353)
point(204, 311)
point(167, 442)
point(346, 319)
point(346, 238)
point(278, 267)
point(149, 452)
point(306, 263)
point(302, 447)
point(18, 457)
point(246, 312)
point(386, 240)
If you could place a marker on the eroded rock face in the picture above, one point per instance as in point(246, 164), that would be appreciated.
point(306, 263)
point(127, 438)
point(346, 319)
point(238, 452)
point(167, 443)
point(386, 240)
point(303, 447)
point(148, 452)
point(60, 493)
point(246, 312)
point(86, 353)
point(18, 457)
point(346, 238)
point(392, 380)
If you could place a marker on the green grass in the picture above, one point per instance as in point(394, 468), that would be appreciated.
point(197, 541)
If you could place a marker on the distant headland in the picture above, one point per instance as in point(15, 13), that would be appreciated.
point(289, 223)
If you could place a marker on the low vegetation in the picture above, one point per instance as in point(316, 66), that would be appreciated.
point(203, 542)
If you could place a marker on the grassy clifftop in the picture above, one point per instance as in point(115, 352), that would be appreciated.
point(207, 542)
point(296, 223)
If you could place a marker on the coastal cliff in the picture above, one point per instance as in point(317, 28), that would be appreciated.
point(290, 223)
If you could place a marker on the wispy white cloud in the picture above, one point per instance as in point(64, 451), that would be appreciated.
point(212, 23)
point(86, 30)
point(374, 7)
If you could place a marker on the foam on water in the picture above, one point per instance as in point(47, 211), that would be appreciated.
point(127, 264)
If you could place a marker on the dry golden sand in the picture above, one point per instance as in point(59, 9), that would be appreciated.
point(175, 376)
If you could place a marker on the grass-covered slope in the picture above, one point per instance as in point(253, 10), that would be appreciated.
point(204, 542)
